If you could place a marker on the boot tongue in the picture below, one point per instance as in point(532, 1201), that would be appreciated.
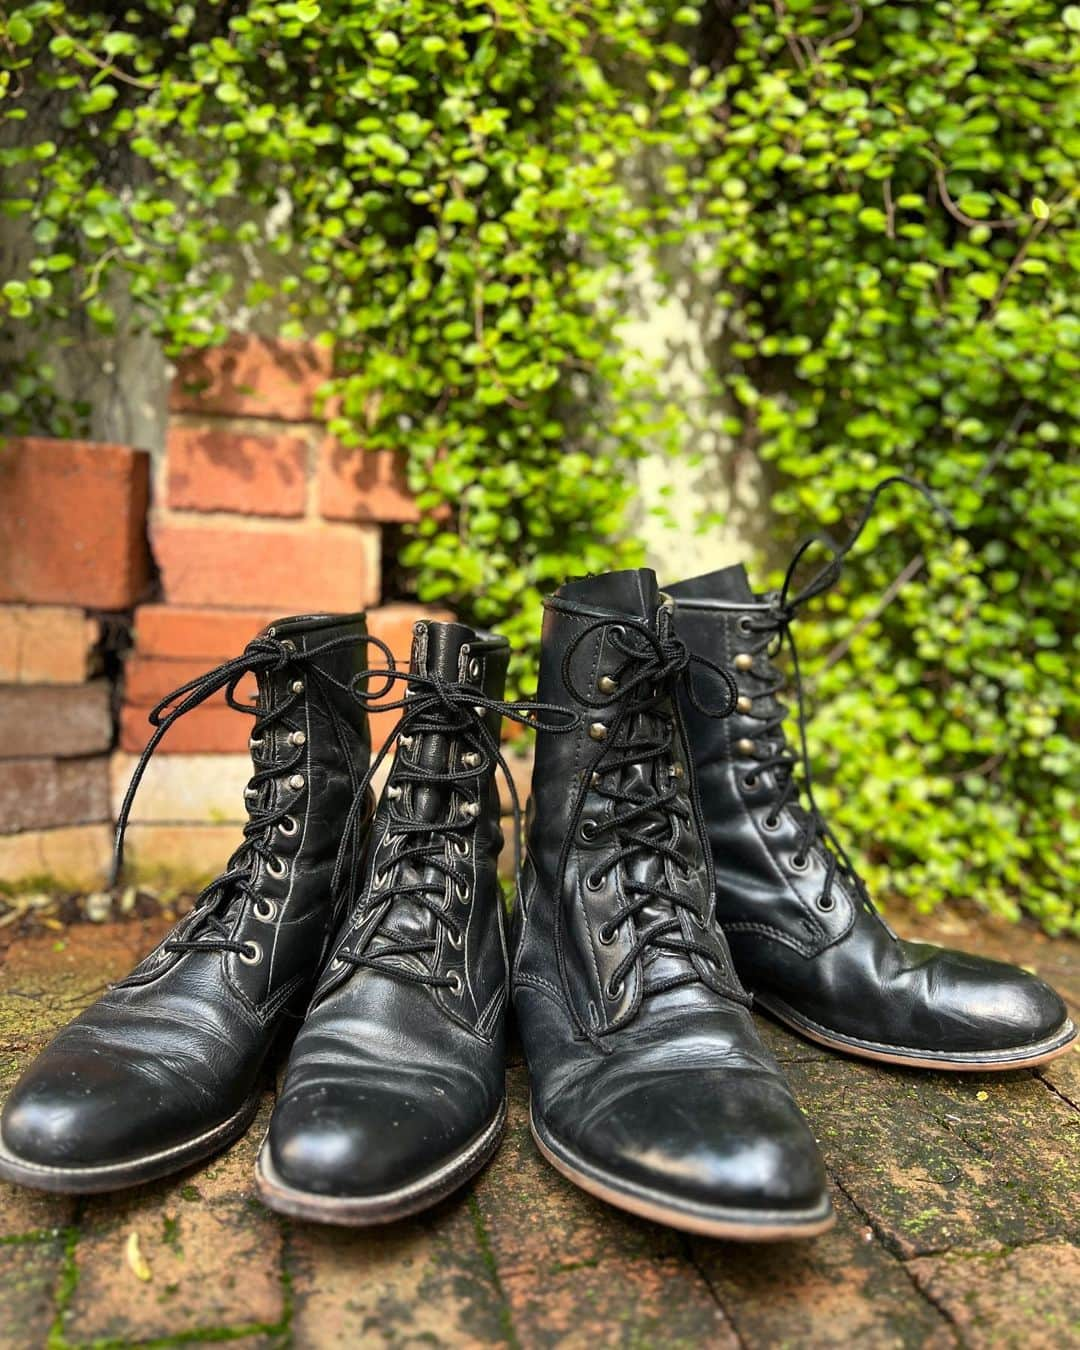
point(728, 583)
point(634, 592)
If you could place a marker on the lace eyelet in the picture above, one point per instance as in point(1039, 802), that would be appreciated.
point(378, 881)
point(265, 910)
point(588, 831)
point(744, 623)
point(826, 902)
point(276, 867)
point(770, 823)
point(454, 983)
point(456, 940)
point(460, 847)
point(252, 953)
point(594, 881)
point(799, 863)
point(289, 826)
point(615, 991)
point(461, 891)
point(605, 935)
point(750, 781)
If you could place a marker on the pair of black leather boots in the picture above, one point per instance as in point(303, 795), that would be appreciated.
point(671, 867)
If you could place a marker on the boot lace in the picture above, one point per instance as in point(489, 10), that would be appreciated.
point(645, 823)
point(458, 711)
point(209, 931)
point(787, 764)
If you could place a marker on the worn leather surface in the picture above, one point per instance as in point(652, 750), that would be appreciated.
point(177, 1047)
point(673, 1090)
point(830, 958)
point(391, 1077)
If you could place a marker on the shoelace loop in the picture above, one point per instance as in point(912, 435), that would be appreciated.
point(653, 662)
point(431, 706)
point(777, 626)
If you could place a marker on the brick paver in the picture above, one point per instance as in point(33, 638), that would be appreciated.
point(956, 1196)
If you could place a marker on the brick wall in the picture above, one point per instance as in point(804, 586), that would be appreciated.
point(251, 513)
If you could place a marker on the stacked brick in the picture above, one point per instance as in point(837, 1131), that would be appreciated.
point(73, 556)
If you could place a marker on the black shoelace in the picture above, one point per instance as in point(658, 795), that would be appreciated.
point(645, 825)
point(209, 931)
point(784, 761)
point(458, 711)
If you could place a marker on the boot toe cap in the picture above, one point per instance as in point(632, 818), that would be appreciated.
point(729, 1143)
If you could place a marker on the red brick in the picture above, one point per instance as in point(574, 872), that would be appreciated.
point(207, 635)
point(62, 720)
point(217, 468)
point(252, 377)
point(333, 568)
point(211, 729)
point(38, 793)
point(148, 679)
point(72, 523)
point(45, 644)
point(357, 484)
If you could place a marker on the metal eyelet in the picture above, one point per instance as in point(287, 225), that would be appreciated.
point(744, 624)
point(594, 881)
point(826, 902)
point(460, 847)
point(770, 823)
point(337, 963)
point(288, 644)
point(799, 864)
point(474, 669)
point(289, 826)
point(471, 759)
point(252, 954)
point(750, 781)
point(471, 809)
point(606, 935)
point(265, 910)
point(456, 940)
point(588, 831)
point(407, 742)
point(455, 985)
point(378, 881)
point(256, 742)
point(461, 891)
point(298, 686)
point(276, 867)
point(616, 991)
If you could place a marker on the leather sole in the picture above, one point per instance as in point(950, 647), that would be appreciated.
point(974, 1061)
point(362, 1211)
point(740, 1225)
point(133, 1171)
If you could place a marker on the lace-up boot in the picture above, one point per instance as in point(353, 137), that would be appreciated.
point(165, 1068)
point(395, 1092)
point(805, 936)
point(650, 1086)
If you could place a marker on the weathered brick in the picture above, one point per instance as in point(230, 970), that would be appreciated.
point(73, 523)
point(36, 794)
point(939, 1161)
point(620, 1302)
point(421, 1282)
point(75, 856)
point(206, 635)
point(252, 377)
point(356, 484)
point(201, 789)
point(181, 855)
point(1027, 1299)
point(214, 467)
point(842, 1289)
point(333, 568)
point(212, 728)
point(45, 644)
point(54, 719)
point(29, 1275)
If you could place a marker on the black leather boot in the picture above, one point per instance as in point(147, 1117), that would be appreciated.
point(395, 1093)
point(166, 1068)
point(650, 1087)
point(805, 937)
